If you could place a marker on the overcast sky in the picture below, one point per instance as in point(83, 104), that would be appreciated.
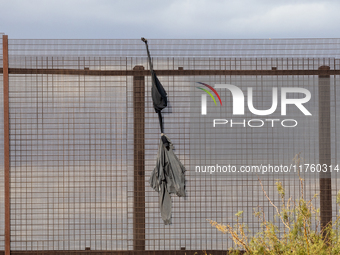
point(171, 19)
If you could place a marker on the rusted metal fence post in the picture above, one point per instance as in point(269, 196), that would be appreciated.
point(139, 161)
point(6, 144)
point(325, 148)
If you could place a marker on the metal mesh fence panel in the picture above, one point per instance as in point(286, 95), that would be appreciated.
point(73, 143)
point(69, 143)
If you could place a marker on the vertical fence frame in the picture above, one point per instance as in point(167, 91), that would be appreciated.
point(139, 161)
point(325, 154)
point(6, 144)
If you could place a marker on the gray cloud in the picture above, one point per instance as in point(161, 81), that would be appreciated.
point(169, 19)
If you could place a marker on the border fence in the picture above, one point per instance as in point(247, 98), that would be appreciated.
point(80, 137)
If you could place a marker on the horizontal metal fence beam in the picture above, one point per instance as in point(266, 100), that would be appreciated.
point(168, 72)
point(89, 252)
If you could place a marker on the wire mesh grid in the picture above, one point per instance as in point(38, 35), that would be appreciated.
point(256, 48)
point(72, 144)
point(69, 144)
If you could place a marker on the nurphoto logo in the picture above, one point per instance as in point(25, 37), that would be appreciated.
point(238, 105)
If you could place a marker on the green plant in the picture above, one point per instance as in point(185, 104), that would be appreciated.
point(298, 234)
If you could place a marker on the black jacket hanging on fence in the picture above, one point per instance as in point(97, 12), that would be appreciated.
point(158, 93)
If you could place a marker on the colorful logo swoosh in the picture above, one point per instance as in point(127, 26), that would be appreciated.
point(212, 89)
